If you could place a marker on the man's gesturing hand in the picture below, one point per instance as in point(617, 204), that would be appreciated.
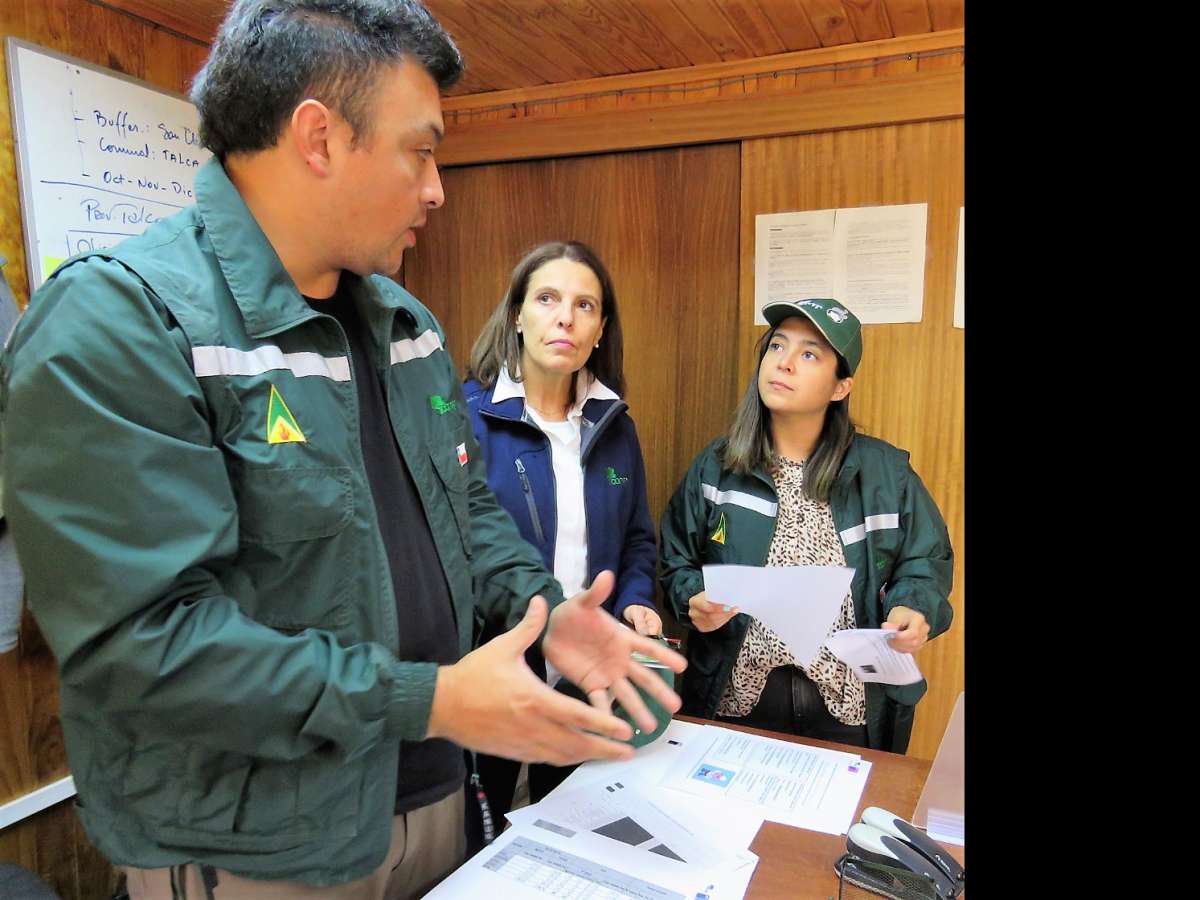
point(592, 649)
point(491, 701)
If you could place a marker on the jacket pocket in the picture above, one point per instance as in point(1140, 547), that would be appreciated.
point(228, 801)
point(293, 504)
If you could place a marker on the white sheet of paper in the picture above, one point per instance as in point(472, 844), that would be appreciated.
point(798, 603)
point(795, 784)
point(881, 261)
point(960, 271)
point(736, 826)
point(624, 809)
point(528, 863)
point(793, 257)
point(869, 654)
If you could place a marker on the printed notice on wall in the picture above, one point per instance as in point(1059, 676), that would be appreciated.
point(793, 257)
point(871, 258)
point(960, 268)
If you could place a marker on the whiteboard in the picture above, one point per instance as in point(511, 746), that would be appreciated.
point(100, 156)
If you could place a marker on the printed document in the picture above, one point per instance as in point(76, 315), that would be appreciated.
point(794, 784)
point(868, 652)
point(622, 809)
point(527, 862)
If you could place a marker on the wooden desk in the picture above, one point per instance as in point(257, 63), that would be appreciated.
point(797, 863)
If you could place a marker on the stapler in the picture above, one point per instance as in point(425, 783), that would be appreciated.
point(889, 856)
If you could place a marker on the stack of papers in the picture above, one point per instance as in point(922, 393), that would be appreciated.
point(674, 823)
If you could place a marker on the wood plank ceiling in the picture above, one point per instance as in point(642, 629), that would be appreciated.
point(522, 43)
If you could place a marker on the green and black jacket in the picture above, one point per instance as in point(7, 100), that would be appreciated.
point(185, 484)
point(892, 535)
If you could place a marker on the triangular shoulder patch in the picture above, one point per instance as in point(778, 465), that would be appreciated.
point(282, 427)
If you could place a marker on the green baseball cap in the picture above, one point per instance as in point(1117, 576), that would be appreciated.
point(839, 326)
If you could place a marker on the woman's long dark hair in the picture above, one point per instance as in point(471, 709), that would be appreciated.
point(748, 443)
point(499, 343)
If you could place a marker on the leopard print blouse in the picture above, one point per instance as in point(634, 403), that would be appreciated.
point(804, 536)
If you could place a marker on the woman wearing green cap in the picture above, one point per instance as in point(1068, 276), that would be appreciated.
point(793, 483)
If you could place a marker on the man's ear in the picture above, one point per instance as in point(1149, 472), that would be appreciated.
point(842, 390)
point(311, 133)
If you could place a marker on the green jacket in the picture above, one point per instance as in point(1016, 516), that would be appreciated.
point(892, 535)
point(219, 604)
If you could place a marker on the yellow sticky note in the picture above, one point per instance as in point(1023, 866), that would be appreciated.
point(50, 263)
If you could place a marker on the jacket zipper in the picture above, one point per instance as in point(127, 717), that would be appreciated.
point(533, 513)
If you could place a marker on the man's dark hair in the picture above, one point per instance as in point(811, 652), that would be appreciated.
point(269, 55)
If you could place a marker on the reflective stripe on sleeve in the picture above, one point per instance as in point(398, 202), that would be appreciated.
point(210, 361)
point(870, 523)
point(409, 349)
point(738, 498)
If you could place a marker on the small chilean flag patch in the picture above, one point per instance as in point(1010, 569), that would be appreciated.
point(462, 454)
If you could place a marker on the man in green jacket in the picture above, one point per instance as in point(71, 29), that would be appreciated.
point(254, 521)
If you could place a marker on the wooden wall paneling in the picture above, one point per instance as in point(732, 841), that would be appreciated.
point(869, 19)
point(791, 24)
point(747, 19)
point(816, 79)
point(189, 19)
point(945, 62)
point(87, 28)
point(914, 98)
point(578, 29)
point(946, 13)
point(469, 20)
point(586, 29)
point(491, 68)
point(775, 83)
point(854, 71)
point(163, 59)
point(125, 45)
point(909, 388)
point(890, 67)
point(732, 87)
point(668, 20)
point(600, 102)
point(707, 320)
point(820, 58)
point(717, 30)
point(908, 16)
point(830, 22)
point(624, 22)
point(665, 224)
point(46, 23)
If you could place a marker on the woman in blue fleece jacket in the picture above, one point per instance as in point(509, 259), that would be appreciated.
point(544, 387)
